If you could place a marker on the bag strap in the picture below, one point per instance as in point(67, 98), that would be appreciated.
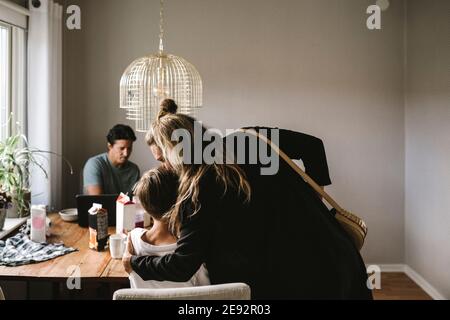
point(296, 168)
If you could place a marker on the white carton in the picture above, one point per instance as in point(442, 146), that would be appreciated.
point(140, 209)
point(125, 214)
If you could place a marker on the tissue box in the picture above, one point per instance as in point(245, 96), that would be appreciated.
point(125, 214)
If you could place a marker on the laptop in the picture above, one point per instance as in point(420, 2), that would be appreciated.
point(84, 203)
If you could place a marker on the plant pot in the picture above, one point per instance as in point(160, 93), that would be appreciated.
point(14, 213)
point(2, 218)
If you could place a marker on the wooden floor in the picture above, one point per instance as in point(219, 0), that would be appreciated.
point(398, 286)
point(394, 286)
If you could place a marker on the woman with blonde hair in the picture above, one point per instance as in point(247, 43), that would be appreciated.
point(269, 231)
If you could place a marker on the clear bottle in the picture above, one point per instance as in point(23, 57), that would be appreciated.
point(38, 224)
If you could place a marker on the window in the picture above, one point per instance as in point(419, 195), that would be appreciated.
point(5, 71)
point(12, 79)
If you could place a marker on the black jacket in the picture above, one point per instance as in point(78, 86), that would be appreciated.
point(285, 243)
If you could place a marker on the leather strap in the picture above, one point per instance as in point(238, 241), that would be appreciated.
point(296, 168)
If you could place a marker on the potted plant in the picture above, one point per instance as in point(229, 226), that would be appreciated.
point(5, 203)
point(16, 160)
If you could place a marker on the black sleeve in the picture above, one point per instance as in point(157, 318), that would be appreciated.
point(309, 149)
point(181, 265)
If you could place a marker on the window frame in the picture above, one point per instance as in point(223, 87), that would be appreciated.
point(16, 82)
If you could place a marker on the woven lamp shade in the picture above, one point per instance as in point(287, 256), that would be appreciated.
point(150, 79)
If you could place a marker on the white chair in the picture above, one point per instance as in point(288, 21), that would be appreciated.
point(229, 291)
point(2, 297)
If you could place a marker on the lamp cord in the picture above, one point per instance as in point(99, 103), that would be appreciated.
point(161, 27)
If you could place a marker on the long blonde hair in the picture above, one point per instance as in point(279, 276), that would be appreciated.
point(230, 176)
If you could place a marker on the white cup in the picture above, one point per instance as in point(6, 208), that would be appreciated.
point(117, 243)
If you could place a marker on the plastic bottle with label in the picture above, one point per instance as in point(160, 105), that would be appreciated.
point(38, 224)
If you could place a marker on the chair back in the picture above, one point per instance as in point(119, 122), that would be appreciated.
point(229, 291)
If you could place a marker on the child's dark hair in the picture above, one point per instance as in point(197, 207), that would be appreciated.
point(120, 132)
point(157, 191)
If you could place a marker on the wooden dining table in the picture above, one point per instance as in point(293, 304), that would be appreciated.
point(86, 265)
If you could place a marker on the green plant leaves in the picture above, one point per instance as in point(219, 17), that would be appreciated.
point(15, 161)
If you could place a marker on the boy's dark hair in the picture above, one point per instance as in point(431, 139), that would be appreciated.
point(120, 132)
point(157, 191)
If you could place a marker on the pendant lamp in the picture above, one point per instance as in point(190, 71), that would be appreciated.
point(150, 79)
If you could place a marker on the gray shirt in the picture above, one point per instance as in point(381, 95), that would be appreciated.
point(99, 171)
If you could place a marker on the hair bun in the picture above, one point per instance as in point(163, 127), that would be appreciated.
point(167, 106)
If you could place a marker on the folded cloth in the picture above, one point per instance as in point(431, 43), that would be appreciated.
point(20, 250)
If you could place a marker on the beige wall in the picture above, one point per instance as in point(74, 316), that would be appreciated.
point(306, 65)
point(428, 142)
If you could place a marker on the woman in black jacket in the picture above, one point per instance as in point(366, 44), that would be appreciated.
point(271, 232)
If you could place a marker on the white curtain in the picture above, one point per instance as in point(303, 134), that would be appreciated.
point(45, 98)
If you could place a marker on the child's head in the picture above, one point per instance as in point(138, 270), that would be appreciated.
point(157, 191)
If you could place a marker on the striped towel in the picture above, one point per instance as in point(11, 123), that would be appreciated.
point(20, 250)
